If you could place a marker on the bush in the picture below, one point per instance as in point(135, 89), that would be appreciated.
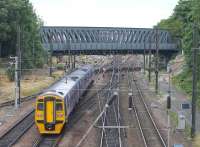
point(60, 66)
point(184, 81)
point(11, 73)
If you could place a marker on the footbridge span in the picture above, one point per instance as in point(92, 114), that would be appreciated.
point(107, 40)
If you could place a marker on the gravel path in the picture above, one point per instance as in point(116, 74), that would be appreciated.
point(179, 97)
point(133, 135)
point(158, 107)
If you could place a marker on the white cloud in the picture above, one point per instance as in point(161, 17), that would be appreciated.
point(121, 13)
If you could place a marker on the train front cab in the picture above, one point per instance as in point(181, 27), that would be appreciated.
point(50, 114)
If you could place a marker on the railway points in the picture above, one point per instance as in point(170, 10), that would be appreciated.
point(13, 134)
point(119, 125)
point(149, 129)
point(102, 80)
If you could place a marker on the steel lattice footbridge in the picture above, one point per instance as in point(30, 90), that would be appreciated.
point(105, 40)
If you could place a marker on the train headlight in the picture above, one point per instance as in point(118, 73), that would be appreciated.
point(39, 115)
point(59, 115)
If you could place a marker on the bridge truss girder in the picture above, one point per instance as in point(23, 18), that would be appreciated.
point(99, 40)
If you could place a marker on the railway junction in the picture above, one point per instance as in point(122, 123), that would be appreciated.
point(129, 120)
point(114, 90)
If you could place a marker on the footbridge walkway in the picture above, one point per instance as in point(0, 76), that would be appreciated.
point(107, 40)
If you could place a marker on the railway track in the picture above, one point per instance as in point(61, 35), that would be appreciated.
point(53, 141)
point(148, 129)
point(47, 141)
point(111, 137)
point(24, 99)
point(86, 103)
point(14, 133)
point(17, 130)
point(27, 98)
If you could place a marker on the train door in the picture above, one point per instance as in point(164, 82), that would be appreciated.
point(86, 80)
point(78, 90)
point(81, 86)
point(76, 93)
point(68, 106)
point(50, 113)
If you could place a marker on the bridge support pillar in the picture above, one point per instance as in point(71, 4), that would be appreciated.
point(72, 58)
point(50, 65)
point(74, 61)
point(69, 61)
point(59, 59)
point(164, 60)
point(66, 64)
point(167, 59)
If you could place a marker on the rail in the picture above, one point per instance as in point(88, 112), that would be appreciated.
point(13, 134)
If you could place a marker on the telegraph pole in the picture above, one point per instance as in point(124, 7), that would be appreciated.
point(149, 60)
point(194, 93)
point(69, 55)
point(144, 57)
point(50, 60)
point(17, 59)
point(17, 65)
point(149, 65)
point(169, 107)
point(144, 64)
point(157, 66)
point(194, 80)
point(17, 85)
point(17, 81)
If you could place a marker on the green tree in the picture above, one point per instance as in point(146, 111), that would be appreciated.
point(181, 24)
point(185, 22)
point(15, 13)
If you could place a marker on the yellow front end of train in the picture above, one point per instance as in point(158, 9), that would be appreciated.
point(50, 114)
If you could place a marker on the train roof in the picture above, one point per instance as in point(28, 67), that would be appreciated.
point(62, 87)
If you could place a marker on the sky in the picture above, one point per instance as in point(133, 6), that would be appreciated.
point(104, 13)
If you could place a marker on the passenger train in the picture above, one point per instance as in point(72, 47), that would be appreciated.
point(54, 105)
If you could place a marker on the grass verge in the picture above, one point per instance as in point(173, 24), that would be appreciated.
point(183, 81)
point(174, 118)
point(197, 141)
point(29, 86)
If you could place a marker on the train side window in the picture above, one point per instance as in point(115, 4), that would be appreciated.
point(40, 100)
point(58, 100)
point(59, 107)
point(40, 106)
point(67, 100)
